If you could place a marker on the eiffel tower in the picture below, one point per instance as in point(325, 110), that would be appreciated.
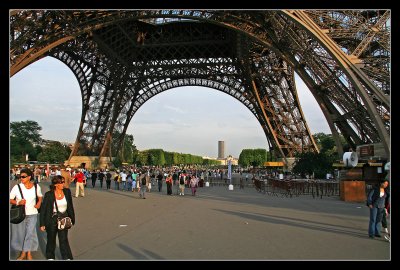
point(123, 58)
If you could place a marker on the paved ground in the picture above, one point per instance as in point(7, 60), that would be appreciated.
point(217, 224)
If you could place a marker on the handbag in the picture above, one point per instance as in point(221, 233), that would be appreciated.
point(64, 222)
point(17, 212)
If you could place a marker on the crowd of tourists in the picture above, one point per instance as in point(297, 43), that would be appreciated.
point(58, 200)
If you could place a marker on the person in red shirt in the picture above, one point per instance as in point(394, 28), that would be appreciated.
point(80, 179)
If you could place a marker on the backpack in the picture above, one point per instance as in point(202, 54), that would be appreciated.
point(181, 181)
point(144, 180)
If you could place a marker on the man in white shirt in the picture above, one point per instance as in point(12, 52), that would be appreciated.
point(123, 179)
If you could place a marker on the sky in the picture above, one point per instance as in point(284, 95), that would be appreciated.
point(185, 120)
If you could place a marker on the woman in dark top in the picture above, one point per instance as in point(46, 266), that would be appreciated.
point(376, 203)
point(48, 218)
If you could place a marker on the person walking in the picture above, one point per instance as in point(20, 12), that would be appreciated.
point(144, 181)
point(48, 218)
point(159, 181)
point(129, 180)
point(123, 176)
point(117, 179)
point(94, 178)
point(168, 181)
point(241, 184)
point(23, 235)
point(80, 180)
point(108, 179)
point(37, 172)
point(67, 176)
point(175, 181)
point(149, 186)
point(385, 222)
point(376, 203)
point(385, 216)
point(12, 175)
point(101, 175)
point(182, 185)
point(138, 181)
point(134, 177)
point(193, 184)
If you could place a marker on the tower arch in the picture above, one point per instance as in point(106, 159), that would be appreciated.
point(129, 51)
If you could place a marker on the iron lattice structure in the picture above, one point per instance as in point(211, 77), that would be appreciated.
point(123, 58)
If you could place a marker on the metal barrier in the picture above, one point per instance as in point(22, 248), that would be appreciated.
point(297, 187)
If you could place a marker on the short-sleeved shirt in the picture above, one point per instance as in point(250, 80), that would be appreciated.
point(61, 205)
point(29, 196)
point(123, 176)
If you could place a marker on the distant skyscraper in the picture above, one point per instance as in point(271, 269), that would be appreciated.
point(221, 149)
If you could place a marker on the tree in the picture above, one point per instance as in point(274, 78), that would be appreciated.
point(19, 147)
point(325, 141)
point(172, 158)
point(168, 158)
point(253, 157)
point(310, 162)
point(142, 158)
point(345, 144)
point(327, 144)
point(156, 157)
point(22, 137)
point(175, 158)
point(117, 162)
point(128, 153)
point(54, 152)
point(39, 149)
point(259, 157)
point(245, 157)
point(27, 130)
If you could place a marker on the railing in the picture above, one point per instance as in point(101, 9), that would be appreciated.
point(217, 183)
point(297, 187)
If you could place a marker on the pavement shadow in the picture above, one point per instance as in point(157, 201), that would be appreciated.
point(295, 222)
point(145, 255)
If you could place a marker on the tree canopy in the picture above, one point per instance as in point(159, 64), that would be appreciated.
point(54, 152)
point(310, 162)
point(22, 137)
point(318, 163)
point(253, 157)
point(26, 130)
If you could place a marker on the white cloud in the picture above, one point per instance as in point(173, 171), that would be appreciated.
point(174, 109)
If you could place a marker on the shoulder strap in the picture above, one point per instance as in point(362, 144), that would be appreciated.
point(36, 191)
point(55, 202)
point(20, 190)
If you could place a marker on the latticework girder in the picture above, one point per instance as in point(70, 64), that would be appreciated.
point(123, 58)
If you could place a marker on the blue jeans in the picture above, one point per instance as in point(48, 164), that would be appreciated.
point(24, 236)
point(375, 221)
